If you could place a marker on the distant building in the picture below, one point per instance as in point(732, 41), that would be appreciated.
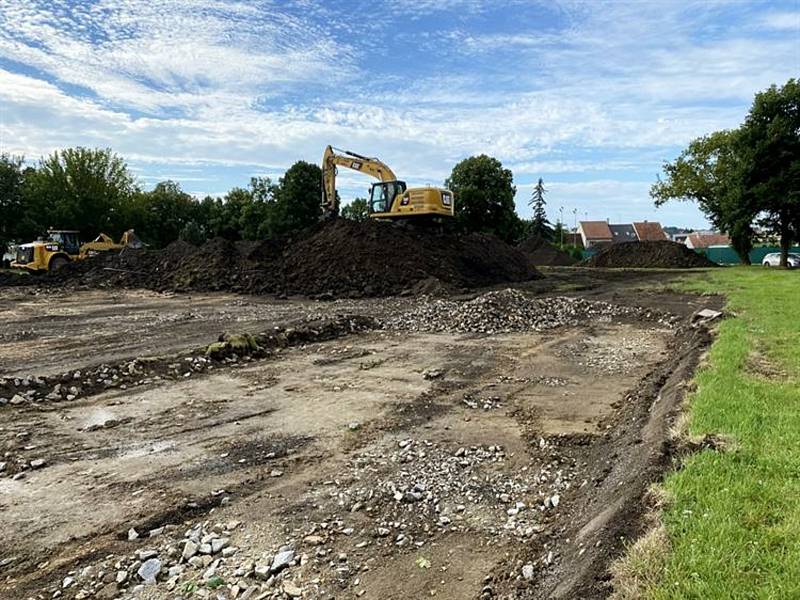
point(649, 231)
point(594, 233)
point(707, 240)
point(623, 233)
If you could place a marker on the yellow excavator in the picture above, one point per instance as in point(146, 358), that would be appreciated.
point(390, 198)
point(63, 246)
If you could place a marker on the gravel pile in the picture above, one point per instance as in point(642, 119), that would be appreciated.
point(421, 487)
point(508, 311)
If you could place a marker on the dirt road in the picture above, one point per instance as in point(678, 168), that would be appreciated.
point(382, 464)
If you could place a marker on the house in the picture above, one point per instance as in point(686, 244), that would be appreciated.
point(595, 232)
point(623, 233)
point(707, 240)
point(649, 231)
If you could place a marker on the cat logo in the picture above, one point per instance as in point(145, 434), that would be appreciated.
point(355, 165)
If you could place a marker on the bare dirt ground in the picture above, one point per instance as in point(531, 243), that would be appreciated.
point(380, 464)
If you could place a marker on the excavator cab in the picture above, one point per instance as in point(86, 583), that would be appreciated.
point(382, 195)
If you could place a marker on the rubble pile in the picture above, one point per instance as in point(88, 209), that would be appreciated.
point(394, 500)
point(205, 559)
point(507, 311)
point(421, 488)
point(648, 255)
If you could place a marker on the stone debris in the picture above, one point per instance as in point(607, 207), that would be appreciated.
point(149, 570)
point(509, 311)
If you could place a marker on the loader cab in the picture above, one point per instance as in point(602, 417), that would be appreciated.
point(383, 194)
point(66, 239)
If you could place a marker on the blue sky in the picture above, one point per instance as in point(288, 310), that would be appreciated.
point(591, 96)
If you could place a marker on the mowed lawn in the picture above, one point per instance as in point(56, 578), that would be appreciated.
point(734, 517)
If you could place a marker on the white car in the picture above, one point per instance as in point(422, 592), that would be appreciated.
point(774, 260)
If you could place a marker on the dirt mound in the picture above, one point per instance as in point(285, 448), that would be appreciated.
point(653, 255)
point(332, 260)
point(345, 258)
point(542, 253)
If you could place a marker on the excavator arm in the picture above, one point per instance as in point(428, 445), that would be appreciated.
point(334, 157)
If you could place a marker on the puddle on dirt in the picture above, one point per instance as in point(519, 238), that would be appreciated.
point(147, 449)
point(98, 418)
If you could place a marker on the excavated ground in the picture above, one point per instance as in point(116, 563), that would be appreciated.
point(394, 453)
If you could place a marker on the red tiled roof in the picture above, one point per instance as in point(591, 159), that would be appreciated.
point(596, 230)
point(705, 240)
point(649, 231)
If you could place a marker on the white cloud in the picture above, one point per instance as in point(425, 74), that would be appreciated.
point(788, 21)
point(251, 87)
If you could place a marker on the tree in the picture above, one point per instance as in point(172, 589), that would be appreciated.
point(484, 197)
point(770, 144)
point(710, 172)
point(540, 226)
point(257, 216)
point(356, 210)
point(558, 234)
point(83, 189)
point(11, 198)
point(298, 199)
point(164, 212)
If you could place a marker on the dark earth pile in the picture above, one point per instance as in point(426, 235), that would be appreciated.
point(654, 255)
point(332, 260)
point(542, 253)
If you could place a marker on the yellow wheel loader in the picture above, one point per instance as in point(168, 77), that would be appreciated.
point(63, 246)
point(390, 198)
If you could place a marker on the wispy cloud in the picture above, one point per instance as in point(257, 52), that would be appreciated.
point(588, 93)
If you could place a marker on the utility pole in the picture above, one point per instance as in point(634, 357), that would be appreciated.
point(575, 219)
point(561, 220)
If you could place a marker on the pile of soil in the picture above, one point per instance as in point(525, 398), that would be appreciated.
point(653, 255)
point(332, 260)
point(542, 253)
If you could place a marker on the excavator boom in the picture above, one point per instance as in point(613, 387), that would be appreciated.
point(334, 157)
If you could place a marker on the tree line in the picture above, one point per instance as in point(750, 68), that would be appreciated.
point(740, 179)
point(93, 191)
point(746, 177)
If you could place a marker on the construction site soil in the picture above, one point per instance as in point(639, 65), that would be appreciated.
point(338, 259)
point(648, 255)
point(542, 253)
point(497, 445)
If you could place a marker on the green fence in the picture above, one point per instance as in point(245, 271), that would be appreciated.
point(724, 255)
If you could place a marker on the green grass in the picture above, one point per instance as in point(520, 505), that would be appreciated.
point(734, 522)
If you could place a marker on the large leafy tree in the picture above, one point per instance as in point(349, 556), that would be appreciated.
point(356, 210)
point(710, 172)
point(11, 198)
point(298, 198)
point(257, 217)
point(484, 193)
point(770, 144)
point(754, 171)
point(540, 226)
point(83, 189)
point(165, 212)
